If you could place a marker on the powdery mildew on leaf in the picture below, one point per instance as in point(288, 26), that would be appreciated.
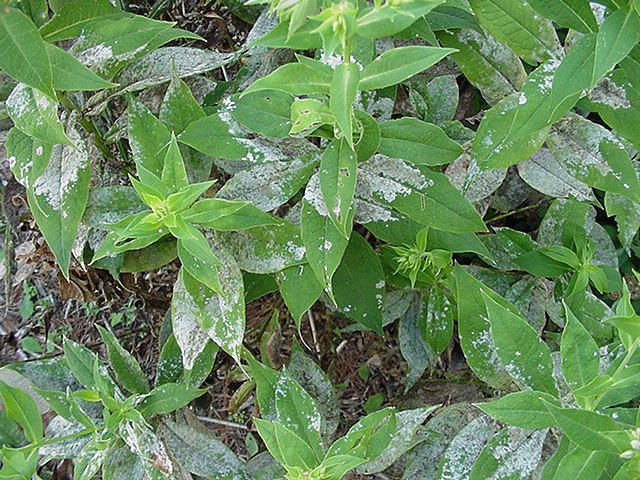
point(264, 249)
point(62, 173)
point(476, 185)
point(386, 178)
point(607, 92)
point(464, 449)
point(189, 335)
point(517, 452)
point(157, 66)
point(549, 176)
point(142, 441)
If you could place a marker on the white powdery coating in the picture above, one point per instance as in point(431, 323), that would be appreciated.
point(465, 448)
point(313, 195)
point(95, 55)
point(607, 92)
point(28, 101)
point(518, 454)
point(141, 439)
point(62, 173)
point(483, 344)
point(387, 178)
point(189, 335)
point(260, 255)
point(575, 141)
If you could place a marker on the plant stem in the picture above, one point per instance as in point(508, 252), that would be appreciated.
point(514, 212)
point(88, 126)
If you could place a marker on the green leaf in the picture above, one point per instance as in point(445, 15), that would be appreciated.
point(323, 242)
point(358, 284)
point(512, 453)
point(298, 412)
point(125, 366)
point(59, 195)
point(36, 115)
point(71, 75)
point(414, 348)
point(21, 408)
point(80, 360)
point(423, 195)
point(285, 446)
point(474, 329)
point(317, 384)
point(24, 55)
point(294, 78)
point(337, 174)
point(199, 261)
point(488, 65)
point(121, 463)
point(299, 288)
point(438, 326)
point(202, 454)
point(19, 464)
point(516, 25)
point(342, 93)
point(174, 175)
point(574, 14)
point(168, 397)
point(211, 136)
point(179, 108)
point(521, 350)
point(524, 409)
point(398, 64)
point(75, 16)
point(586, 429)
point(417, 142)
point(579, 352)
point(581, 464)
point(266, 111)
point(10, 433)
point(148, 136)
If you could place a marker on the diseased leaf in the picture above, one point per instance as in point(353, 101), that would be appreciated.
point(337, 174)
point(574, 14)
point(299, 288)
point(517, 25)
point(125, 366)
point(522, 409)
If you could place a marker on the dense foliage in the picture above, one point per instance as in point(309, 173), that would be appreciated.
point(334, 166)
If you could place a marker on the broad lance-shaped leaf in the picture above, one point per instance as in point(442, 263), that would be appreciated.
point(524, 409)
point(522, 352)
point(125, 366)
point(581, 464)
point(189, 335)
point(169, 397)
point(24, 53)
point(59, 195)
point(73, 17)
point(488, 65)
point(574, 14)
point(36, 114)
point(71, 75)
point(201, 454)
point(294, 78)
point(148, 136)
point(594, 156)
point(417, 142)
point(513, 452)
point(516, 127)
point(299, 288)
point(517, 25)
point(579, 352)
point(21, 408)
point(324, 243)
point(337, 173)
point(179, 108)
point(423, 195)
point(344, 86)
point(358, 284)
point(398, 64)
point(223, 316)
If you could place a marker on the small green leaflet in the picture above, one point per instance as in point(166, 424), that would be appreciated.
point(294, 78)
point(343, 89)
point(125, 366)
point(337, 174)
point(23, 409)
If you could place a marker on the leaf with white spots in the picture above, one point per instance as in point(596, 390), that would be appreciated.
point(425, 196)
point(36, 114)
point(593, 155)
point(337, 174)
point(58, 197)
point(438, 326)
point(549, 175)
point(520, 349)
point(488, 65)
point(403, 439)
point(267, 249)
point(627, 215)
point(513, 453)
point(465, 448)
point(358, 284)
